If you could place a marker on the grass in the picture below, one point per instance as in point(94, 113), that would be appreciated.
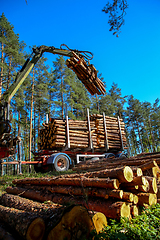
point(6, 180)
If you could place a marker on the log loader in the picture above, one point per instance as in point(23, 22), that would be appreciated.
point(59, 160)
point(88, 76)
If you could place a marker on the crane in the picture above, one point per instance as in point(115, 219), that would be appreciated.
point(85, 71)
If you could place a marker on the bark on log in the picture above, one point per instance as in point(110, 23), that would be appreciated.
point(94, 204)
point(153, 172)
point(123, 174)
point(152, 184)
point(148, 165)
point(43, 210)
point(28, 225)
point(87, 191)
point(146, 198)
point(128, 196)
point(85, 182)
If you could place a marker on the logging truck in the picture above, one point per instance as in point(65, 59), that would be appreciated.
point(64, 154)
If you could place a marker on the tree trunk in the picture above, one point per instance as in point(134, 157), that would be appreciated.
point(30, 132)
point(75, 224)
point(28, 225)
point(2, 61)
point(9, 73)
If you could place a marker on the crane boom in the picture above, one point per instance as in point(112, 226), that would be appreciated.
point(27, 67)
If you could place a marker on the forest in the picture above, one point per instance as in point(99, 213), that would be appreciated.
point(48, 89)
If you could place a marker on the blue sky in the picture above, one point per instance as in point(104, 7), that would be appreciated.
point(132, 60)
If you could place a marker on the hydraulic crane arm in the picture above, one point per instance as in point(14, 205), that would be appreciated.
point(27, 67)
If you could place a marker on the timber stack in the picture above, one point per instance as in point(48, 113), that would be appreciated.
point(87, 74)
point(116, 190)
point(98, 132)
point(21, 218)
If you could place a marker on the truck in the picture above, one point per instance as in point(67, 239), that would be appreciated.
point(60, 159)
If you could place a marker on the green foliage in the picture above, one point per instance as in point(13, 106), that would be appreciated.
point(116, 10)
point(145, 226)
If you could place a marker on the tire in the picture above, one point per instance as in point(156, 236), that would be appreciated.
point(108, 155)
point(122, 156)
point(61, 163)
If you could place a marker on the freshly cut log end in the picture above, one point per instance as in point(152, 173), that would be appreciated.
point(128, 173)
point(36, 230)
point(134, 211)
point(127, 196)
point(99, 221)
point(75, 224)
point(135, 199)
point(125, 210)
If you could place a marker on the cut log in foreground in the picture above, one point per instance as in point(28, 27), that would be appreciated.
point(76, 224)
point(28, 225)
point(64, 222)
point(99, 220)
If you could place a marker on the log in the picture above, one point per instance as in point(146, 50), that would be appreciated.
point(99, 221)
point(152, 184)
point(140, 180)
point(85, 182)
point(127, 196)
point(87, 191)
point(134, 210)
point(31, 194)
point(135, 199)
point(123, 174)
point(43, 210)
point(146, 198)
point(94, 204)
point(137, 172)
point(28, 225)
point(149, 165)
point(76, 224)
point(110, 208)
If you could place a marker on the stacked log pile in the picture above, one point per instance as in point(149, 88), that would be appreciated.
point(87, 74)
point(54, 135)
point(116, 190)
point(31, 220)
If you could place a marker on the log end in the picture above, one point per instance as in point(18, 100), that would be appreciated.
point(125, 210)
point(36, 230)
point(99, 221)
point(134, 211)
point(128, 174)
point(75, 224)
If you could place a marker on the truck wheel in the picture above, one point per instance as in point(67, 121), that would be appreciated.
point(108, 155)
point(61, 163)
